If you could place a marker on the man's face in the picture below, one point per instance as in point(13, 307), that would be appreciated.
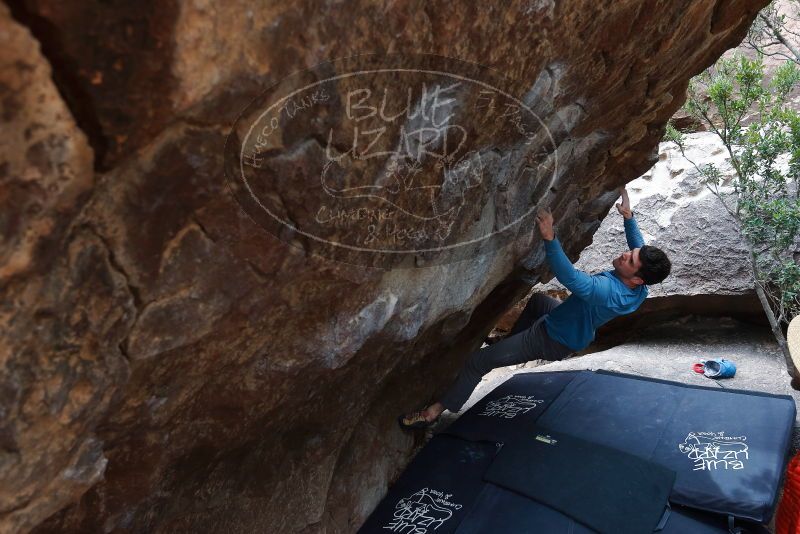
point(627, 264)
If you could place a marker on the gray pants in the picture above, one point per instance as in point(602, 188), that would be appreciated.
point(528, 340)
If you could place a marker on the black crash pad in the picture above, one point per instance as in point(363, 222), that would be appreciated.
point(499, 511)
point(728, 447)
point(436, 490)
point(695, 431)
point(512, 408)
point(611, 491)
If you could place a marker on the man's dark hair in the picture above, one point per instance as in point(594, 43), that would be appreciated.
point(655, 265)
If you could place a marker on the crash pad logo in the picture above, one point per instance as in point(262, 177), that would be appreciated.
point(423, 512)
point(715, 450)
point(510, 406)
point(376, 159)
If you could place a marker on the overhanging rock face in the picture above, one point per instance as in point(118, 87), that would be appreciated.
point(167, 363)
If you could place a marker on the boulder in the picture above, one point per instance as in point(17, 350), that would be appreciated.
point(677, 212)
point(170, 361)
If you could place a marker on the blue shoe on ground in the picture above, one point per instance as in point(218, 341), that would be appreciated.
point(719, 368)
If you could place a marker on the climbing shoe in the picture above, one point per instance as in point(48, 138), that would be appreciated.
point(415, 420)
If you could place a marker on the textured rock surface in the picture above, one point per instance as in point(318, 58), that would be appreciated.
point(711, 273)
point(169, 366)
point(60, 364)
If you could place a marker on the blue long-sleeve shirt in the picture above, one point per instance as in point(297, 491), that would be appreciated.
point(595, 299)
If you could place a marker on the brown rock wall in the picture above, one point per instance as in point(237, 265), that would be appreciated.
point(167, 365)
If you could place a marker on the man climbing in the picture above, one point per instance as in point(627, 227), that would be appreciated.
point(550, 330)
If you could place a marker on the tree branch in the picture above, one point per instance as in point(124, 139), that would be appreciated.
point(779, 36)
point(776, 329)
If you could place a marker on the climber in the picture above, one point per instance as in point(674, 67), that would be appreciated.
point(550, 330)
